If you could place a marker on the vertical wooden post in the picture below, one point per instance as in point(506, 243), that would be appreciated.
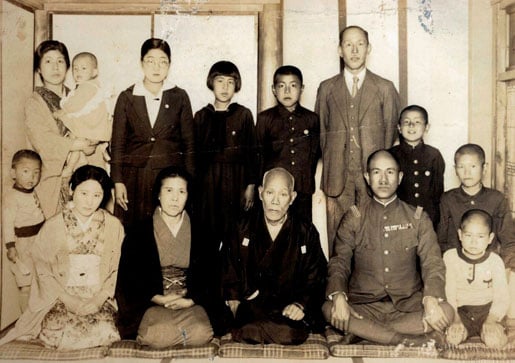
point(270, 50)
point(402, 16)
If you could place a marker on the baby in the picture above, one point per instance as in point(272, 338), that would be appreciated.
point(84, 111)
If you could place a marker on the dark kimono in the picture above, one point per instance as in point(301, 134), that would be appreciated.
point(266, 276)
point(140, 277)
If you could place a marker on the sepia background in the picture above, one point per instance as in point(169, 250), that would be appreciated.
point(452, 57)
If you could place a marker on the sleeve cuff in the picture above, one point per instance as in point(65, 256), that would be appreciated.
point(10, 245)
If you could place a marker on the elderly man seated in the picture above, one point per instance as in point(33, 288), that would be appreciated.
point(386, 275)
point(275, 270)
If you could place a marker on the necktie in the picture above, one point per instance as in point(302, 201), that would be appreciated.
point(354, 86)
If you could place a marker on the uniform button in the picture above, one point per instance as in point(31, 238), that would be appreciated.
point(293, 163)
point(416, 185)
point(386, 252)
point(386, 286)
point(353, 118)
point(352, 151)
point(386, 235)
point(352, 128)
point(472, 202)
point(293, 128)
point(415, 161)
point(417, 195)
point(352, 106)
point(233, 133)
point(386, 269)
point(292, 151)
point(415, 172)
point(385, 217)
point(152, 139)
point(291, 140)
point(290, 118)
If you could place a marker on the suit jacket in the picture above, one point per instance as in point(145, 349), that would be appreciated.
point(378, 116)
point(135, 142)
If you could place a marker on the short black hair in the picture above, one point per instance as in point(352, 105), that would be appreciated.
point(470, 149)
point(91, 172)
point(224, 68)
point(156, 43)
point(353, 27)
point(170, 172)
point(25, 154)
point(416, 108)
point(45, 47)
point(482, 214)
point(288, 70)
point(382, 151)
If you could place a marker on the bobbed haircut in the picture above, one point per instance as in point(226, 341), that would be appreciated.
point(45, 47)
point(25, 154)
point(88, 55)
point(286, 71)
point(155, 43)
point(170, 172)
point(470, 149)
point(353, 27)
point(416, 108)
point(224, 68)
point(481, 214)
point(373, 155)
point(91, 172)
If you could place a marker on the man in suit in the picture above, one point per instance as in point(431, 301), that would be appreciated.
point(358, 115)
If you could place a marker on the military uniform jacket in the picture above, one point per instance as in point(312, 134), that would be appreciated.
point(290, 269)
point(290, 140)
point(387, 251)
point(422, 183)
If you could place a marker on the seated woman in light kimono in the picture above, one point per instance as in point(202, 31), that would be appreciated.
point(157, 290)
point(76, 255)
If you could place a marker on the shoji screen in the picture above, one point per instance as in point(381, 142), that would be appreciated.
point(199, 41)
point(16, 82)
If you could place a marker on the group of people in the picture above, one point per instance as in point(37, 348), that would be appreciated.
point(188, 252)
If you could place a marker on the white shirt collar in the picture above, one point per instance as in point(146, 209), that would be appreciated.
point(274, 229)
point(173, 229)
point(348, 76)
point(140, 90)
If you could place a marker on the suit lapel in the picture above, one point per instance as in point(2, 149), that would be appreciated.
point(338, 94)
point(140, 108)
point(165, 103)
point(368, 94)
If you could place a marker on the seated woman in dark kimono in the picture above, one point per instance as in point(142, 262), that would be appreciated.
point(274, 276)
point(156, 289)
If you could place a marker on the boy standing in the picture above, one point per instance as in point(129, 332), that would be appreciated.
point(476, 283)
point(22, 218)
point(423, 165)
point(469, 162)
point(288, 137)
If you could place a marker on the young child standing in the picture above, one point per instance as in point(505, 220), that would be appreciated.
point(85, 111)
point(22, 219)
point(423, 165)
point(288, 137)
point(475, 283)
point(225, 169)
point(469, 162)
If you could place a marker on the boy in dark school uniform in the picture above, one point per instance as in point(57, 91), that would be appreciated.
point(423, 165)
point(288, 137)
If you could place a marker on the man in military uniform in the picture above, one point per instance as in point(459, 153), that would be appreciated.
point(386, 277)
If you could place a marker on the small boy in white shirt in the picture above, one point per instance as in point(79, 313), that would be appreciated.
point(476, 284)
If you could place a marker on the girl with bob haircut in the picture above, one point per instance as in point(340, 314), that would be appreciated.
point(226, 169)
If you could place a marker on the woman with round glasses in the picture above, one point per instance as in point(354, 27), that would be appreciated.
point(152, 129)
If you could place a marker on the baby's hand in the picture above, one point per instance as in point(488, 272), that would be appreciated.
point(12, 254)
